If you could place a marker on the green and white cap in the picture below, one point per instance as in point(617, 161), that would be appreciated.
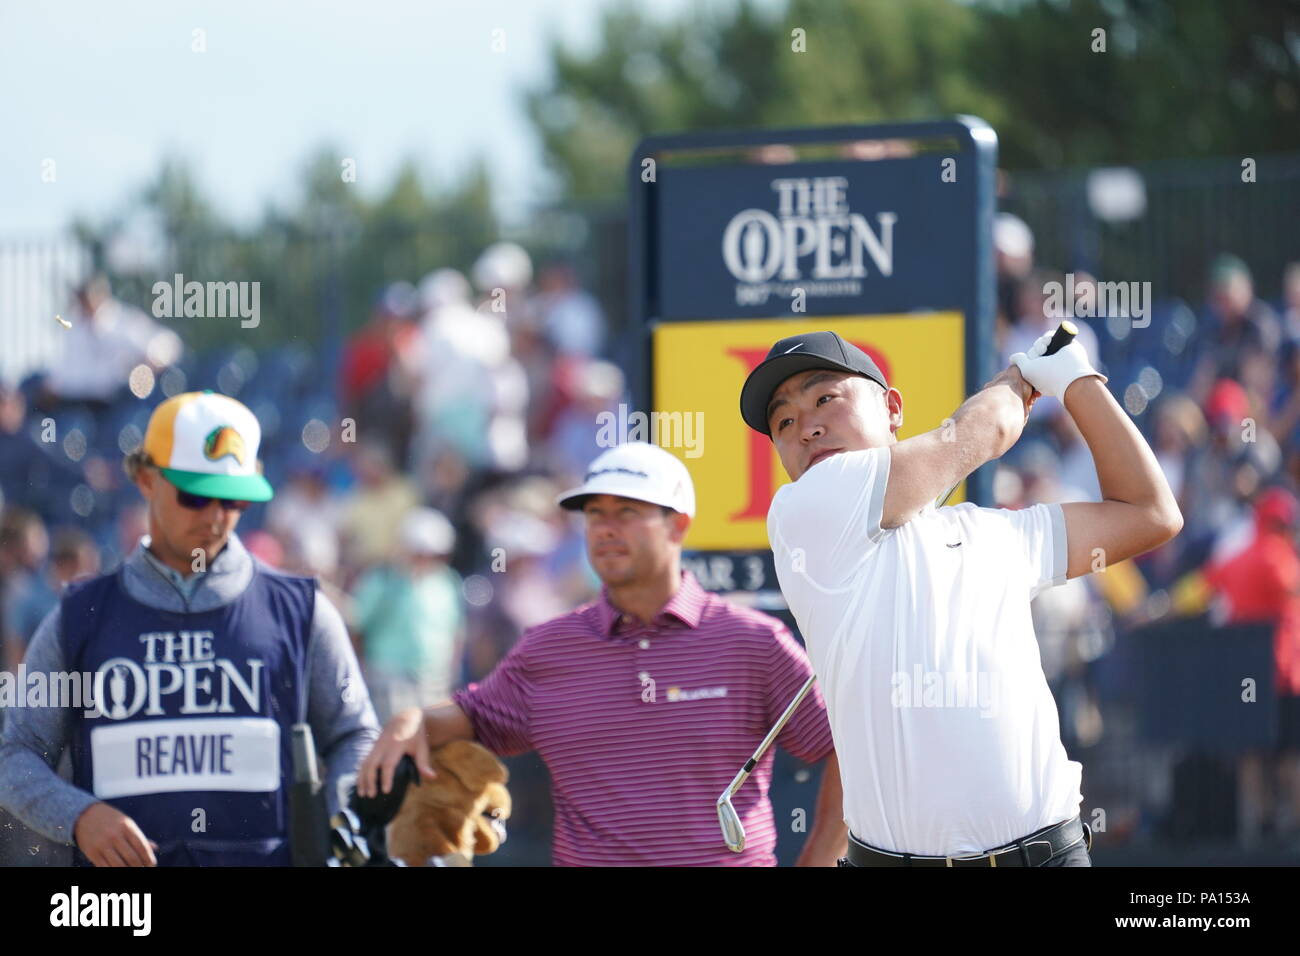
point(206, 444)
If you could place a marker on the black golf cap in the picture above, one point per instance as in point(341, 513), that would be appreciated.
point(796, 354)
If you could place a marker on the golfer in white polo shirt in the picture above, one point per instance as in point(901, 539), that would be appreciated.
point(916, 617)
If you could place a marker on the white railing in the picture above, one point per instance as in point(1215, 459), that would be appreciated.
point(37, 279)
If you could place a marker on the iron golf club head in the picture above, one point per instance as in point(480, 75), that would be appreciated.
point(733, 831)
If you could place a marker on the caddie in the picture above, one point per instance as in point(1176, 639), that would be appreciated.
point(916, 617)
point(203, 658)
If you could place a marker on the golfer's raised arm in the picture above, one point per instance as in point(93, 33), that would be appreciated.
point(923, 467)
point(1138, 510)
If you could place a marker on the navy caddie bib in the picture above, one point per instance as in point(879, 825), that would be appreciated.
point(190, 730)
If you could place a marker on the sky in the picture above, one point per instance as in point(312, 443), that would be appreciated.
point(108, 90)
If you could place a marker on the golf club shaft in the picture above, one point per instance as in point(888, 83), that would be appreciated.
point(772, 734)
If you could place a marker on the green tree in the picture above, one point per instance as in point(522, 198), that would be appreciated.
point(709, 70)
point(1177, 79)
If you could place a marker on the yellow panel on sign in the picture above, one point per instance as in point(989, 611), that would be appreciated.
point(699, 368)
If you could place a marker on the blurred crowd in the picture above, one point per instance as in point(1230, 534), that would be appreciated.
point(472, 400)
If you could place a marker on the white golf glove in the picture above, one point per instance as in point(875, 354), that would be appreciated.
point(1052, 374)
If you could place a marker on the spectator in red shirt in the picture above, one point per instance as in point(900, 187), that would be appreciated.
point(369, 352)
point(373, 377)
point(1261, 583)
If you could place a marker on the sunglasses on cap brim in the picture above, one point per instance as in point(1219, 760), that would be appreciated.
point(199, 502)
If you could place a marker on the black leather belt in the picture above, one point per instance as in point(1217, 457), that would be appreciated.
point(1032, 850)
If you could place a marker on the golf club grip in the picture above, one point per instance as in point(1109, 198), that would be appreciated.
point(1063, 336)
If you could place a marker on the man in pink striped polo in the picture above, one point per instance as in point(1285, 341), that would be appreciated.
point(643, 703)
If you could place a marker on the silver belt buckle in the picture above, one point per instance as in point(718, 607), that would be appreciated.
point(991, 857)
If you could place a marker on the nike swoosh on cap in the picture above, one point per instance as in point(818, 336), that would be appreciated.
point(792, 348)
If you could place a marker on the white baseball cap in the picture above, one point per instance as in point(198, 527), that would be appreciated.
point(206, 444)
point(636, 470)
